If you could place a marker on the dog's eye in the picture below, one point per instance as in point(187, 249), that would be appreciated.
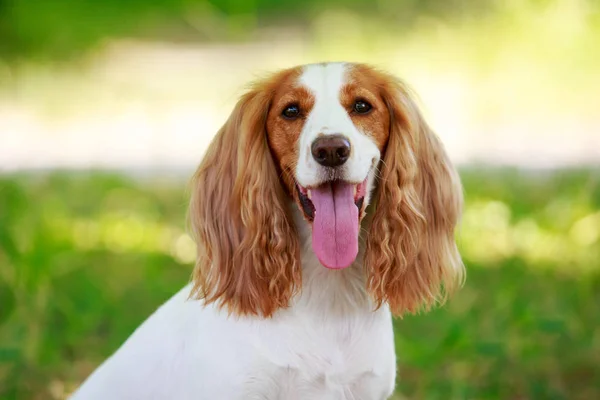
point(362, 107)
point(291, 112)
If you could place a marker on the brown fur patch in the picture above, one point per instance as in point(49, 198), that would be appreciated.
point(248, 256)
point(411, 258)
point(364, 83)
point(283, 134)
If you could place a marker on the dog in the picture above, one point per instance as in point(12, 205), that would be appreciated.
point(324, 206)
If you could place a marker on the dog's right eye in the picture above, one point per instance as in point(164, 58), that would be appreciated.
point(291, 112)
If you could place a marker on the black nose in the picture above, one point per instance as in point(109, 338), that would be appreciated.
point(331, 150)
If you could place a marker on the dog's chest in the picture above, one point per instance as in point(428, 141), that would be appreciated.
point(336, 379)
point(337, 359)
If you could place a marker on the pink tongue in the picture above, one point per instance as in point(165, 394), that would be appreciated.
point(335, 227)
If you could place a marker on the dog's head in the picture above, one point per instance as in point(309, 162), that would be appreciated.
point(343, 141)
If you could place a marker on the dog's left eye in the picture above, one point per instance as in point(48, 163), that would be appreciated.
point(362, 107)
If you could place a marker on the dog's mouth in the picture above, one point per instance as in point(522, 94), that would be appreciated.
point(334, 209)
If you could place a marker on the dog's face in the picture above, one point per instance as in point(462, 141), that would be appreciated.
point(335, 138)
point(327, 128)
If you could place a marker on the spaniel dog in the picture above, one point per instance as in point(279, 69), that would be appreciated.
point(323, 206)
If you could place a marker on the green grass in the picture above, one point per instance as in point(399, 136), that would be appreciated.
point(86, 257)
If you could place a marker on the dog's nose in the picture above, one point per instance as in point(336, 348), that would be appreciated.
point(331, 150)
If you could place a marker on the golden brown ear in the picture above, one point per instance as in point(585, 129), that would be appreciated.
point(248, 255)
point(411, 258)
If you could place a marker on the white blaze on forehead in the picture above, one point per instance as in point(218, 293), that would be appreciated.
point(327, 117)
point(325, 81)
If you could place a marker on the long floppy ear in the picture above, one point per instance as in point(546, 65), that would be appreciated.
point(411, 257)
point(248, 255)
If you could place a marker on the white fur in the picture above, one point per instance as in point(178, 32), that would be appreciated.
point(329, 344)
point(329, 117)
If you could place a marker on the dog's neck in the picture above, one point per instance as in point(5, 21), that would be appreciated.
point(327, 291)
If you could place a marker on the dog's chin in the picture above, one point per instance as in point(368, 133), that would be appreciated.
point(334, 210)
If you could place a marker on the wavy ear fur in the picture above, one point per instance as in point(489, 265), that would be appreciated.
point(248, 255)
point(411, 257)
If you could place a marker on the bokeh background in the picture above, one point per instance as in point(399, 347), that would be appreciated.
point(107, 106)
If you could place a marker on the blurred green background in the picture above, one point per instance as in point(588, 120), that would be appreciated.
point(107, 106)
